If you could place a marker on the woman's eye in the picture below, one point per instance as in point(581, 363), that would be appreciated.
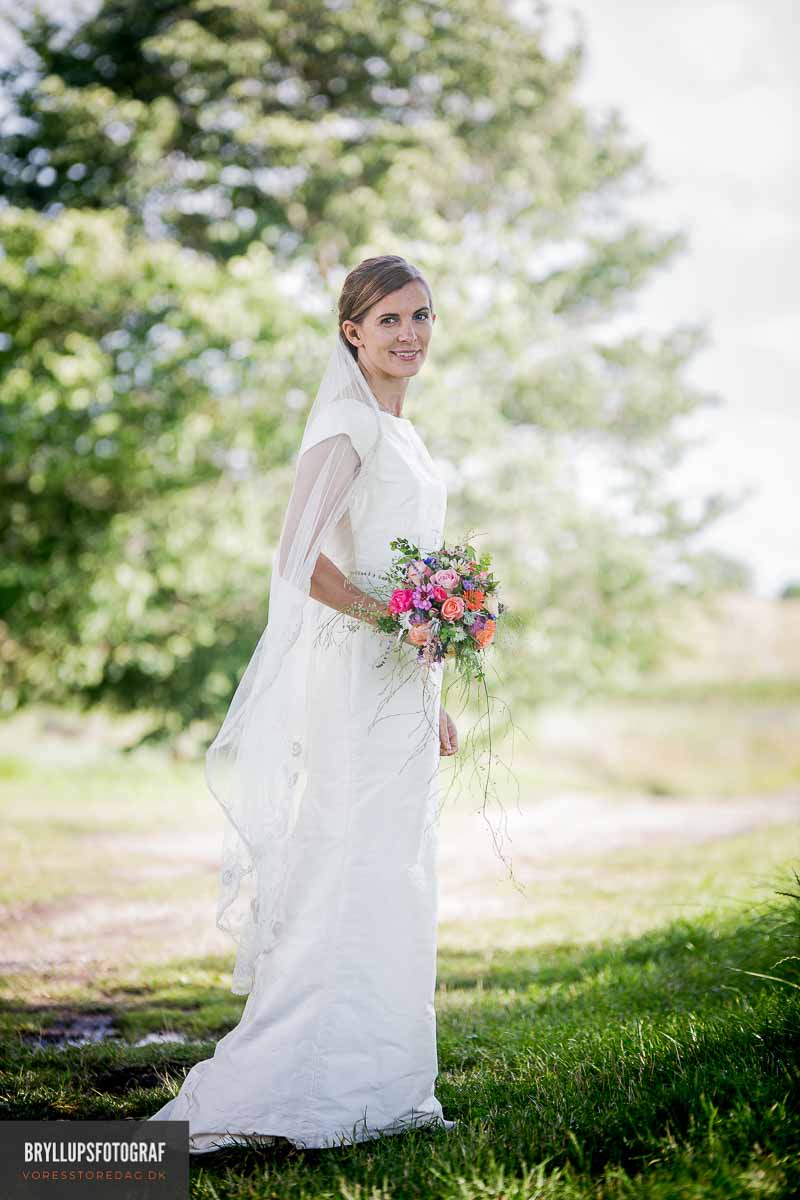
point(423, 315)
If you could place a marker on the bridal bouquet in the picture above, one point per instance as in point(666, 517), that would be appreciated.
point(444, 603)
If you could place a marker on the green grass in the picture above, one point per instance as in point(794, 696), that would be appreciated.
point(645, 1067)
point(728, 692)
point(608, 1043)
point(711, 740)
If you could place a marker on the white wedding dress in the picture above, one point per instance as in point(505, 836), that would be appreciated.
point(337, 1040)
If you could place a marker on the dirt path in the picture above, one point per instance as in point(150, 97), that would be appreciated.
point(72, 942)
point(577, 831)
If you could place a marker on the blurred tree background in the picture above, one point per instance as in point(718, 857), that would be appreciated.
point(185, 186)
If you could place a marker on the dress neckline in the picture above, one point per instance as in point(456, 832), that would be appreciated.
point(386, 412)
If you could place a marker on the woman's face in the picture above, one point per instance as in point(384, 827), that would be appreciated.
point(399, 323)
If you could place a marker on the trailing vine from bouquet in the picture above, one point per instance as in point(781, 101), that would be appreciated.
point(413, 592)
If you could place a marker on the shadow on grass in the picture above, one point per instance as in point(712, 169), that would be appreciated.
point(674, 965)
point(625, 1055)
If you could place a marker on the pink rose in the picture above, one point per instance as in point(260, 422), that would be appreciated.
point(400, 601)
point(418, 634)
point(446, 578)
point(453, 608)
point(438, 593)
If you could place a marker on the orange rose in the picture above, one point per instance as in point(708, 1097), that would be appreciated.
point(475, 599)
point(484, 636)
point(453, 608)
point(418, 634)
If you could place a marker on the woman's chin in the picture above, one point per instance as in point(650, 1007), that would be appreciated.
point(398, 366)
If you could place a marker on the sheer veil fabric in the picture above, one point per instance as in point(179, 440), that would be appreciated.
point(256, 764)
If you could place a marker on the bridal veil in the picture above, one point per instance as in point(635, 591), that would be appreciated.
point(256, 764)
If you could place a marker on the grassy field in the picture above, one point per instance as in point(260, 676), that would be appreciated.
point(628, 1024)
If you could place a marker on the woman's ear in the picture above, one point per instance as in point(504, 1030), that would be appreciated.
point(353, 335)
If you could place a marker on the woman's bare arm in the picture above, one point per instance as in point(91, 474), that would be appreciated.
point(331, 587)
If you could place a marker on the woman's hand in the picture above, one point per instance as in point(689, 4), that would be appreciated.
point(448, 736)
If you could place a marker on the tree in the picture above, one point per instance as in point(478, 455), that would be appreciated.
point(231, 160)
point(310, 127)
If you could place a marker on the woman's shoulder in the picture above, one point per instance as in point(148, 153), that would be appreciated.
point(345, 415)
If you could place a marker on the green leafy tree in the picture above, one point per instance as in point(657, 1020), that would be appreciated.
point(314, 128)
point(140, 382)
point(185, 185)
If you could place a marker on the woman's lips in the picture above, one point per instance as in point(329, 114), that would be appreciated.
point(408, 355)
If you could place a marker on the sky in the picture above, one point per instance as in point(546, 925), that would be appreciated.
point(711, 88)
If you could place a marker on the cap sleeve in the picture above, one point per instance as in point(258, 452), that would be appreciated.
point(348, 416)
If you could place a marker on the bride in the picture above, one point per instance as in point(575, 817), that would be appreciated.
point(326, 769)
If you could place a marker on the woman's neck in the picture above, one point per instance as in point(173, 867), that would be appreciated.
point(388, 391)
